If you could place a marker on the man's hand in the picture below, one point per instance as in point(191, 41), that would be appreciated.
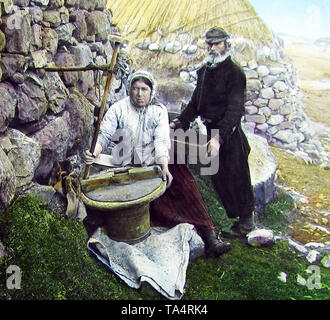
point(213, 147)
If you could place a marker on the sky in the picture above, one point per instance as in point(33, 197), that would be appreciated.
point(308, 18)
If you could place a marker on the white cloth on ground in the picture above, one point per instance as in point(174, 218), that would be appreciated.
point(160, 260)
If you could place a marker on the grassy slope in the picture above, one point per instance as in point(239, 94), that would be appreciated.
point(51, 252)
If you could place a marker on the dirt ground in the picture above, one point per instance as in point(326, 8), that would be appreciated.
point(312, 63)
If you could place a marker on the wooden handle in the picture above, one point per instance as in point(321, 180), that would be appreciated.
point(103, 103)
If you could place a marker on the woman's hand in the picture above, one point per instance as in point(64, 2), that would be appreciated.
point(89, 157)
point(166, 174)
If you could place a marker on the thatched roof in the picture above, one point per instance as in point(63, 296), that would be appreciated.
point(157, 19)
point(184, 21)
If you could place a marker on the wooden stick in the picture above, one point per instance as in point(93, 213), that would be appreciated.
point(103, 103)
point(71, 69)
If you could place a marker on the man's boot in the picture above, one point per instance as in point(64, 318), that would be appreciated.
point(246, 224)
point(214, 246)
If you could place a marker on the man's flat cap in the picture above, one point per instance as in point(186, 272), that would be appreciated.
point(216, 35)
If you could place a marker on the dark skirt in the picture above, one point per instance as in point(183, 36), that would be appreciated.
point(181, 203)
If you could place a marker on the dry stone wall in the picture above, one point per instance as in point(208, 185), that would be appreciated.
point(47, 117)
point(273, 100)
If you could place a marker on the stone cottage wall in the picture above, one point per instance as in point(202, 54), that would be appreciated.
point(47, 117)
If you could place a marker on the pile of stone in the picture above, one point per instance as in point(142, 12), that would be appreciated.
point(46, 117)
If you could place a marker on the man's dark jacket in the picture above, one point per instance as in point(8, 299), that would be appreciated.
point(219, 96)
point(220, 99)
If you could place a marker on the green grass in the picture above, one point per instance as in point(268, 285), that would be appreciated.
point(51, 252)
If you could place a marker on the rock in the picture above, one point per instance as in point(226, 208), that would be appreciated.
point(17, 28)
point(36, 36)
point(50, 40)
point(263, 167)
point(173, 47)
point(8, 102)
point(312, 256)
point(154, 47)
point(282, 277)
point(98, 24)
point(260, 237)
point(262, 127)
point(39, 58)
point(53, 17)
point(285, 136)
point(256, 118)
point(54, 140)
point(275, 104)
point(265, 111)
point(248, 127)
point(253, 85)
point(77, 18)
point(280, 86)
point(251, 109)
point(83, 56)
point(276, 70)
point(251, 74)
point(12, 63)
point(66, 59)
point(190, 49)
point(286, 109)
point(7, 181)
point(274, 120)
point(326, 261)
point(261, 102)
point(36, 14)
point(262, 71)
point(298, 247)
point(55, 91)
point(32, 102)
point(300, 280)
point(24, 157)
point(65, 32)
point(269, 81)
point(267, 93)
point(80, 112)
point(2, 41)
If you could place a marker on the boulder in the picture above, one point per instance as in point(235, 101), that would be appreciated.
point(7, 180)
point(24, 156)
point(98, 24)
point(263, 167)
point(54, 140)
point(8, 102)
point(17, 28)
point(260, 237)
point(32, 102)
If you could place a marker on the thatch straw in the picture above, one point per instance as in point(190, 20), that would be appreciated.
point(157, 19)
point(187, 20)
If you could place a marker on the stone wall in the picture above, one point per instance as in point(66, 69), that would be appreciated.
point(273, 99)
point(47, 117)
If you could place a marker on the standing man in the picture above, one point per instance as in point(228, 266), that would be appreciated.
point(219, 100)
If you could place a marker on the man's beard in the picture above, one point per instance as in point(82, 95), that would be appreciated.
point(215, 57)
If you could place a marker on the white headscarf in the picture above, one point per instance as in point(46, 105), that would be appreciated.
point(146, 75)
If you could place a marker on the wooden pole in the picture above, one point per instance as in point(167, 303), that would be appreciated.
point(103, 103)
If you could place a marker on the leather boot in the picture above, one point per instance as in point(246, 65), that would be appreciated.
point(214, 246)
point(246, 225)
